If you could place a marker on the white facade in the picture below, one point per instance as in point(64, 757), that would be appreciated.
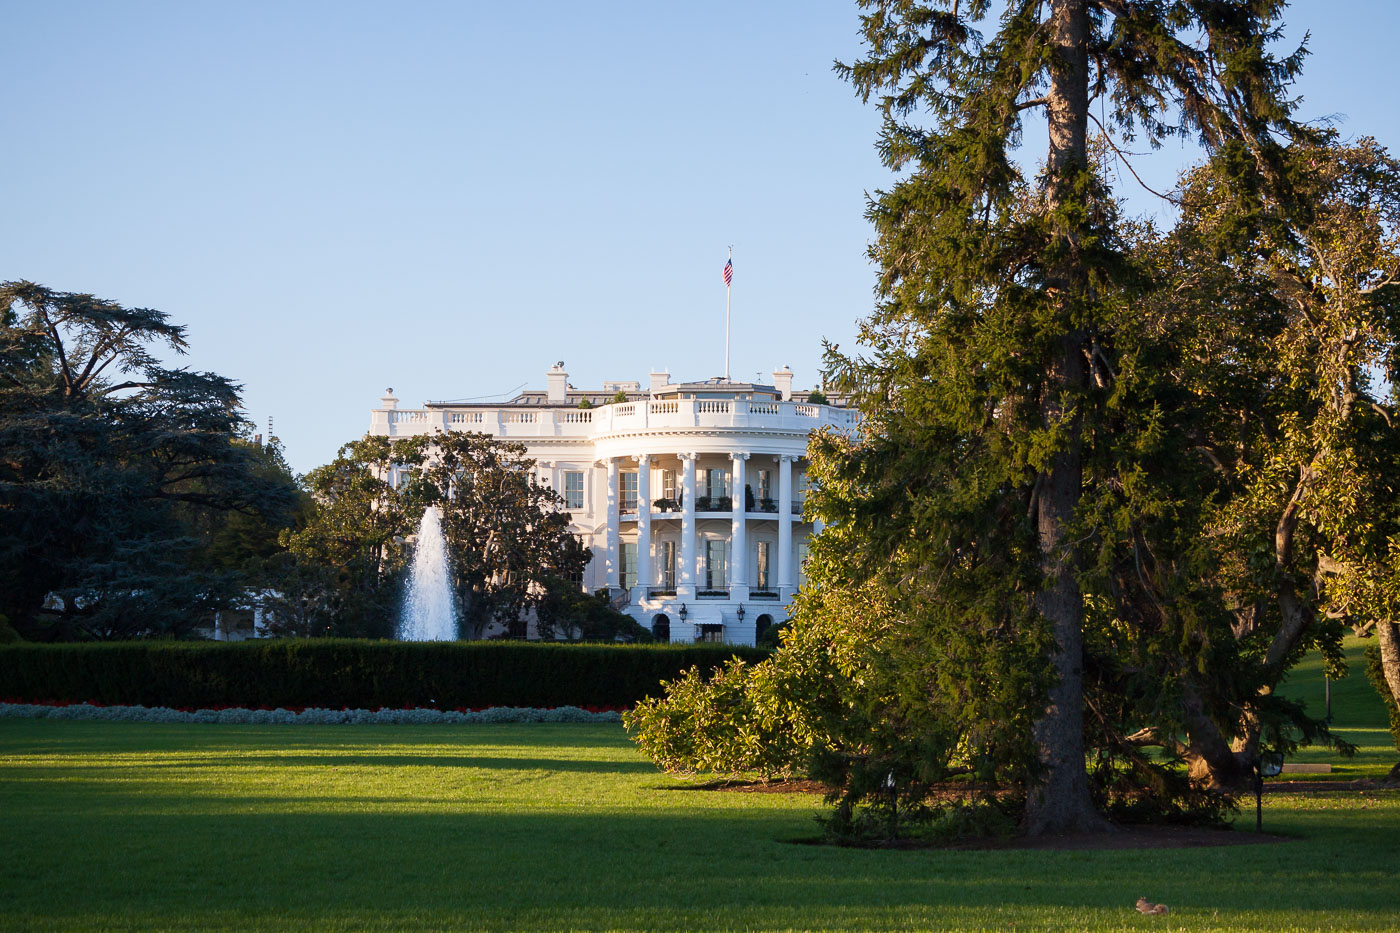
point(689, 494)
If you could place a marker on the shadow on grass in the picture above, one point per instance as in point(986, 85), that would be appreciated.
point(324, 759)
point(494, 865)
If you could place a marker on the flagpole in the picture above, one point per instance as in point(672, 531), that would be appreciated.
point(728, 287)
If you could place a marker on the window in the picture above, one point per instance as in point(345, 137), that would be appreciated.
point(661, 628)
point(715, 564)
point(627, 489)
point(668, 484)
point(765, 492)
point(716, 483)
point(668, 564)
point(761, 565)
point(628, 564)
point(573, 489)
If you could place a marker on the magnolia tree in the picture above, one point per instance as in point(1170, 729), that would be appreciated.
point(509, 543)
point(509, 538)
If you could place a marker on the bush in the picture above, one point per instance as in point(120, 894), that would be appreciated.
point(333, 673)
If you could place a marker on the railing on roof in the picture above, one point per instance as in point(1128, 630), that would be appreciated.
point(622, 417)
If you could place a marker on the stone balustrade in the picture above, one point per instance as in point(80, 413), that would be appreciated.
point(617, 418)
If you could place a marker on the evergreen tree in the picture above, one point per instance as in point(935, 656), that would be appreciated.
point(997, 337)
point(114, 471)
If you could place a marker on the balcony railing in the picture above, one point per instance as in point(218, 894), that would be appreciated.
point(714, 504)
point(523, 421)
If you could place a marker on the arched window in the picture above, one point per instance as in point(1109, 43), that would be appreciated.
point(760, 625)
point(661, 628)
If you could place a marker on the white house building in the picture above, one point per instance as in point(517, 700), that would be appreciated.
point(690, 494)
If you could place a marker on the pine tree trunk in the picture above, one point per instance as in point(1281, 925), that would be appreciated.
point(1059, 801)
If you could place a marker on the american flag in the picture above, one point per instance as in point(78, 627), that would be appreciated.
point(728, 272)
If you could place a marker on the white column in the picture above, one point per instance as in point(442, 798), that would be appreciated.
point(785, 577)
point(685, 587)
point(610, 539)
point(738, 537)
point(644, 578)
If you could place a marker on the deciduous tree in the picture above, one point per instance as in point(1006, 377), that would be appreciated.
point(508, 535)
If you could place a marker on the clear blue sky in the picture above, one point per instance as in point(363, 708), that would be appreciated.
point(446, 198)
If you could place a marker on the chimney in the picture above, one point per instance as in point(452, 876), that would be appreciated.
point(386, 401)
point(782, 381)
point(558, 382)
point(659, 381)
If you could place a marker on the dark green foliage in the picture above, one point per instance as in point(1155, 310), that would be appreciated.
point(335, 673)
point(772, 636)
point(343, 574)
point(1023, 532)
point(510, 544)
point(509, 538)
point(120, 477)
point(569, 613)
point(242, 540)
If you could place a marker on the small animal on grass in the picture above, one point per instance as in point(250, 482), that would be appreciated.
point(1144, 906)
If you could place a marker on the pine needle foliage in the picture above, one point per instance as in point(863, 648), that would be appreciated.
point(1024, 528)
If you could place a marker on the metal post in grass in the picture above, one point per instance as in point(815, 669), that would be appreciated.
point(1268, 764)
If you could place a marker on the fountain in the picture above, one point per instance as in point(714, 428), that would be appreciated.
point(427, 610)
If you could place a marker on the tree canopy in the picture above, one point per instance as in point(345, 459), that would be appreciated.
point(510, 545)
point(1112, 480)
point(118, 474)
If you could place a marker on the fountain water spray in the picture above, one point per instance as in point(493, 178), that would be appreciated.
point(427, 610)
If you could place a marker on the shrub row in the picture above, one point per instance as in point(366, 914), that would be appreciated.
point(349, 674)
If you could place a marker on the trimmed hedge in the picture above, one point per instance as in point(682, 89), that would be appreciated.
point(343, 673)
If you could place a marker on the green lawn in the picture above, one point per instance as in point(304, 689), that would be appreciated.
point(1358, 715)
point(551, 827)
